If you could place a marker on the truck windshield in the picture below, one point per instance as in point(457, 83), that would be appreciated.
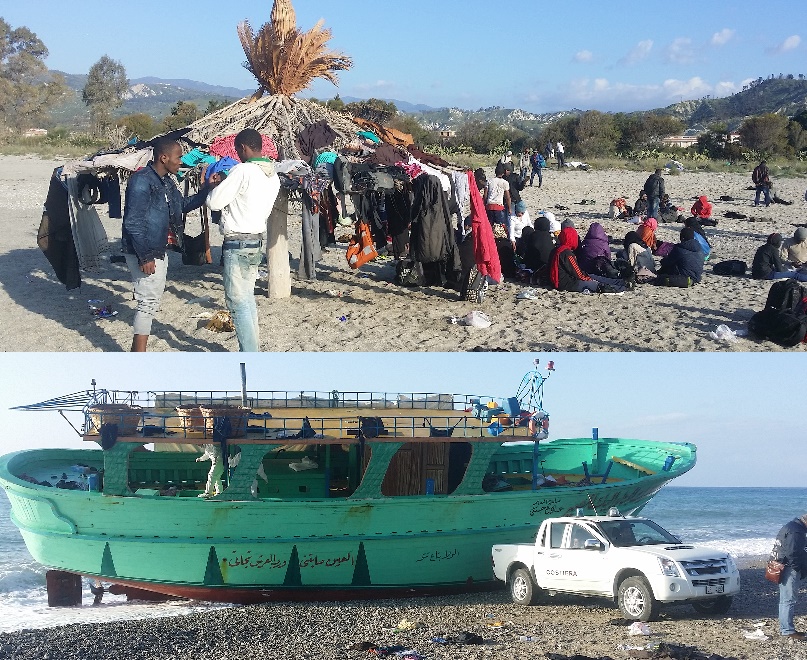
point(627, 533)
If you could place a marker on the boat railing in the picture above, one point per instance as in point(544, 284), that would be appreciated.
point(315, 399)
point(256, 428)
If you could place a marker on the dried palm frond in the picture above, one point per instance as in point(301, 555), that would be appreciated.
point(285, 60)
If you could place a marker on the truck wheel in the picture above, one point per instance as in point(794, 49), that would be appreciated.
point(713, 607)
point(522, 589)
point(636, 600)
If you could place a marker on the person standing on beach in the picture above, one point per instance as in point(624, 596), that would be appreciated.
point(559, 151)
point(654, 187)
point(538, 165)
point(761, 177)
point(245, 199)
point(153, 206)
point(789, 549)
point(497, 203)
point(524, 164)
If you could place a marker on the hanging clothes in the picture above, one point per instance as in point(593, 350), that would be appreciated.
point(55, 238)
point(328, 215)
point(310, 252)
point(487, 256)
point(432, 236)
point(313, 138)
point(399, 215)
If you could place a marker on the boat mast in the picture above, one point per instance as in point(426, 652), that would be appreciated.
point(243, 384)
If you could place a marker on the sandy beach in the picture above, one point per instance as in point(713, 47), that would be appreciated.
point(564, 625)
point(346, 310)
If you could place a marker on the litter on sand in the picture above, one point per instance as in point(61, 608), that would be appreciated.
point(527, 294)
point(724, 333)
point(638, 628)
point(756, 634)
point(477, 319)
point(221, 322)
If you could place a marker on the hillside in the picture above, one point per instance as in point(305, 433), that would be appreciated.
point(152, 96)
point(774, 95)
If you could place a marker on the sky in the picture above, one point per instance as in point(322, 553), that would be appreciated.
point(619, 55)
point(742, 411)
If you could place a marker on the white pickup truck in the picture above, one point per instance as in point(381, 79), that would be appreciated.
point(630, 560)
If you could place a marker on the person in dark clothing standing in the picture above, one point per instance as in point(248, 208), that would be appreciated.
point(789, 548)
point(767, 264)
point(153, 205)
point(761, 177)
point(516, 186)
point(654, 187)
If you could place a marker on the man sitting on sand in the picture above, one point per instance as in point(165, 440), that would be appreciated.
point(153, 205)
point(794, 250)
point(684, 265)
point(767, 264)
point(702, 210)
point(245, 198)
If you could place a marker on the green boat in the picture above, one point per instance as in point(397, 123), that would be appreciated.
point(327, 495)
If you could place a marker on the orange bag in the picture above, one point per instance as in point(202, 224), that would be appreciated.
point(361, 248)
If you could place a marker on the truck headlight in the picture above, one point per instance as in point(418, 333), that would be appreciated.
point(668, 567)
point(730, 565)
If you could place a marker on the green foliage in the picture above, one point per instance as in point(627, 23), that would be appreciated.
point(27, 90)
point(104, 90)
point(483, 137)
point(766, 134)
point(215, 106)
point(182, 114)
point(372, 110)
point(139, 125)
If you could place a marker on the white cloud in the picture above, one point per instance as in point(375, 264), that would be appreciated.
point(680, 51)
point(791, 43)
point(378, 84)
point(583, 56)
point(640, 52)
point(606, 95)
point(723, 37)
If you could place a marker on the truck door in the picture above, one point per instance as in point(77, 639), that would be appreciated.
point(570, 567)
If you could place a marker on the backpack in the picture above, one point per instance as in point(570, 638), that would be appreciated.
point(730, 267)
point(783, 320)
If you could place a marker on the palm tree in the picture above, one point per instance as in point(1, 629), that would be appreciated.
point(285, 60)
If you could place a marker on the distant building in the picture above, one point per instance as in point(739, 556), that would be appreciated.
point(35, 132)
point(448, 134)
point(682, 141)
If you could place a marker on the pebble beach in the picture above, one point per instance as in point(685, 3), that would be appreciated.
point(345, 310)
point(563, 625)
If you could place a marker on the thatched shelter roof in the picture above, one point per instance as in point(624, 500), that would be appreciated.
point(280, 117)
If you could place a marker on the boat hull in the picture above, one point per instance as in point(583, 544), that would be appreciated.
point(264, 550)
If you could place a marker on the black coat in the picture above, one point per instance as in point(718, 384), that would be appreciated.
point(540, 246)
point(767, 260)
point(654, 186)
point(432, 236)
point(789, 546)
point(55, 237)
point(685, 259)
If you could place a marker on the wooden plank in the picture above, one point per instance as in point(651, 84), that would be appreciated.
point(635, 466)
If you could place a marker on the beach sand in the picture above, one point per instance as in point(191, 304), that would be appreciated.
point(363, 310)
point(564, 625)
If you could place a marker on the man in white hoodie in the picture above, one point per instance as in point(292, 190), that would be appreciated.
point(245, 199)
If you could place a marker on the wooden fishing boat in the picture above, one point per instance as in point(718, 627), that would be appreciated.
point(365, 494)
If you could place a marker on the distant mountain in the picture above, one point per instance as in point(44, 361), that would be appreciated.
point(775, 95)
point(152, 96)
point(447, 119)
point(403, 106)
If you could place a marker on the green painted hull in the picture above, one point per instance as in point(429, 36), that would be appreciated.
point(248, 551)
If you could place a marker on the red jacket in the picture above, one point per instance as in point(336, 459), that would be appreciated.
point(702, 208)
point(487, 256)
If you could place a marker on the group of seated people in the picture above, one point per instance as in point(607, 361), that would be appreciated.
point(557, 257)
point(782, 258)
point(668, 212)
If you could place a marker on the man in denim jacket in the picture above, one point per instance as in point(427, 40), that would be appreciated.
point(152, 202)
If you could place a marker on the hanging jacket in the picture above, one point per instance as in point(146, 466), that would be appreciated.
point(432, 238)
point(55, 237)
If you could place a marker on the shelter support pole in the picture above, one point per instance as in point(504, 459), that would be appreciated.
point(277, 248)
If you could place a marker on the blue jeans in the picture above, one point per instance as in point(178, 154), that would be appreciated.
point(540, 174)
point(148, 292)
point(767, 191)
point(240, 272)
point(788, 595)
point(499, 218)
point(652, 211)
point(788, 275)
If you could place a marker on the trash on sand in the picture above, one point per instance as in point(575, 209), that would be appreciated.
point(757, 634)
point(639, 628)
point(100, 310)
point(527, 294)
point(528, 638)
point(202, 299)
point(405, 624)
point(221, 322)
point(477, 319)
point(724, 333)
point(343, 318)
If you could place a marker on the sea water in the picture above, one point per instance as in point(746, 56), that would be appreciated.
point(743, 521)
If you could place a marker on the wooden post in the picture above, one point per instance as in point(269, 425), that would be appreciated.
point(277, 248)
